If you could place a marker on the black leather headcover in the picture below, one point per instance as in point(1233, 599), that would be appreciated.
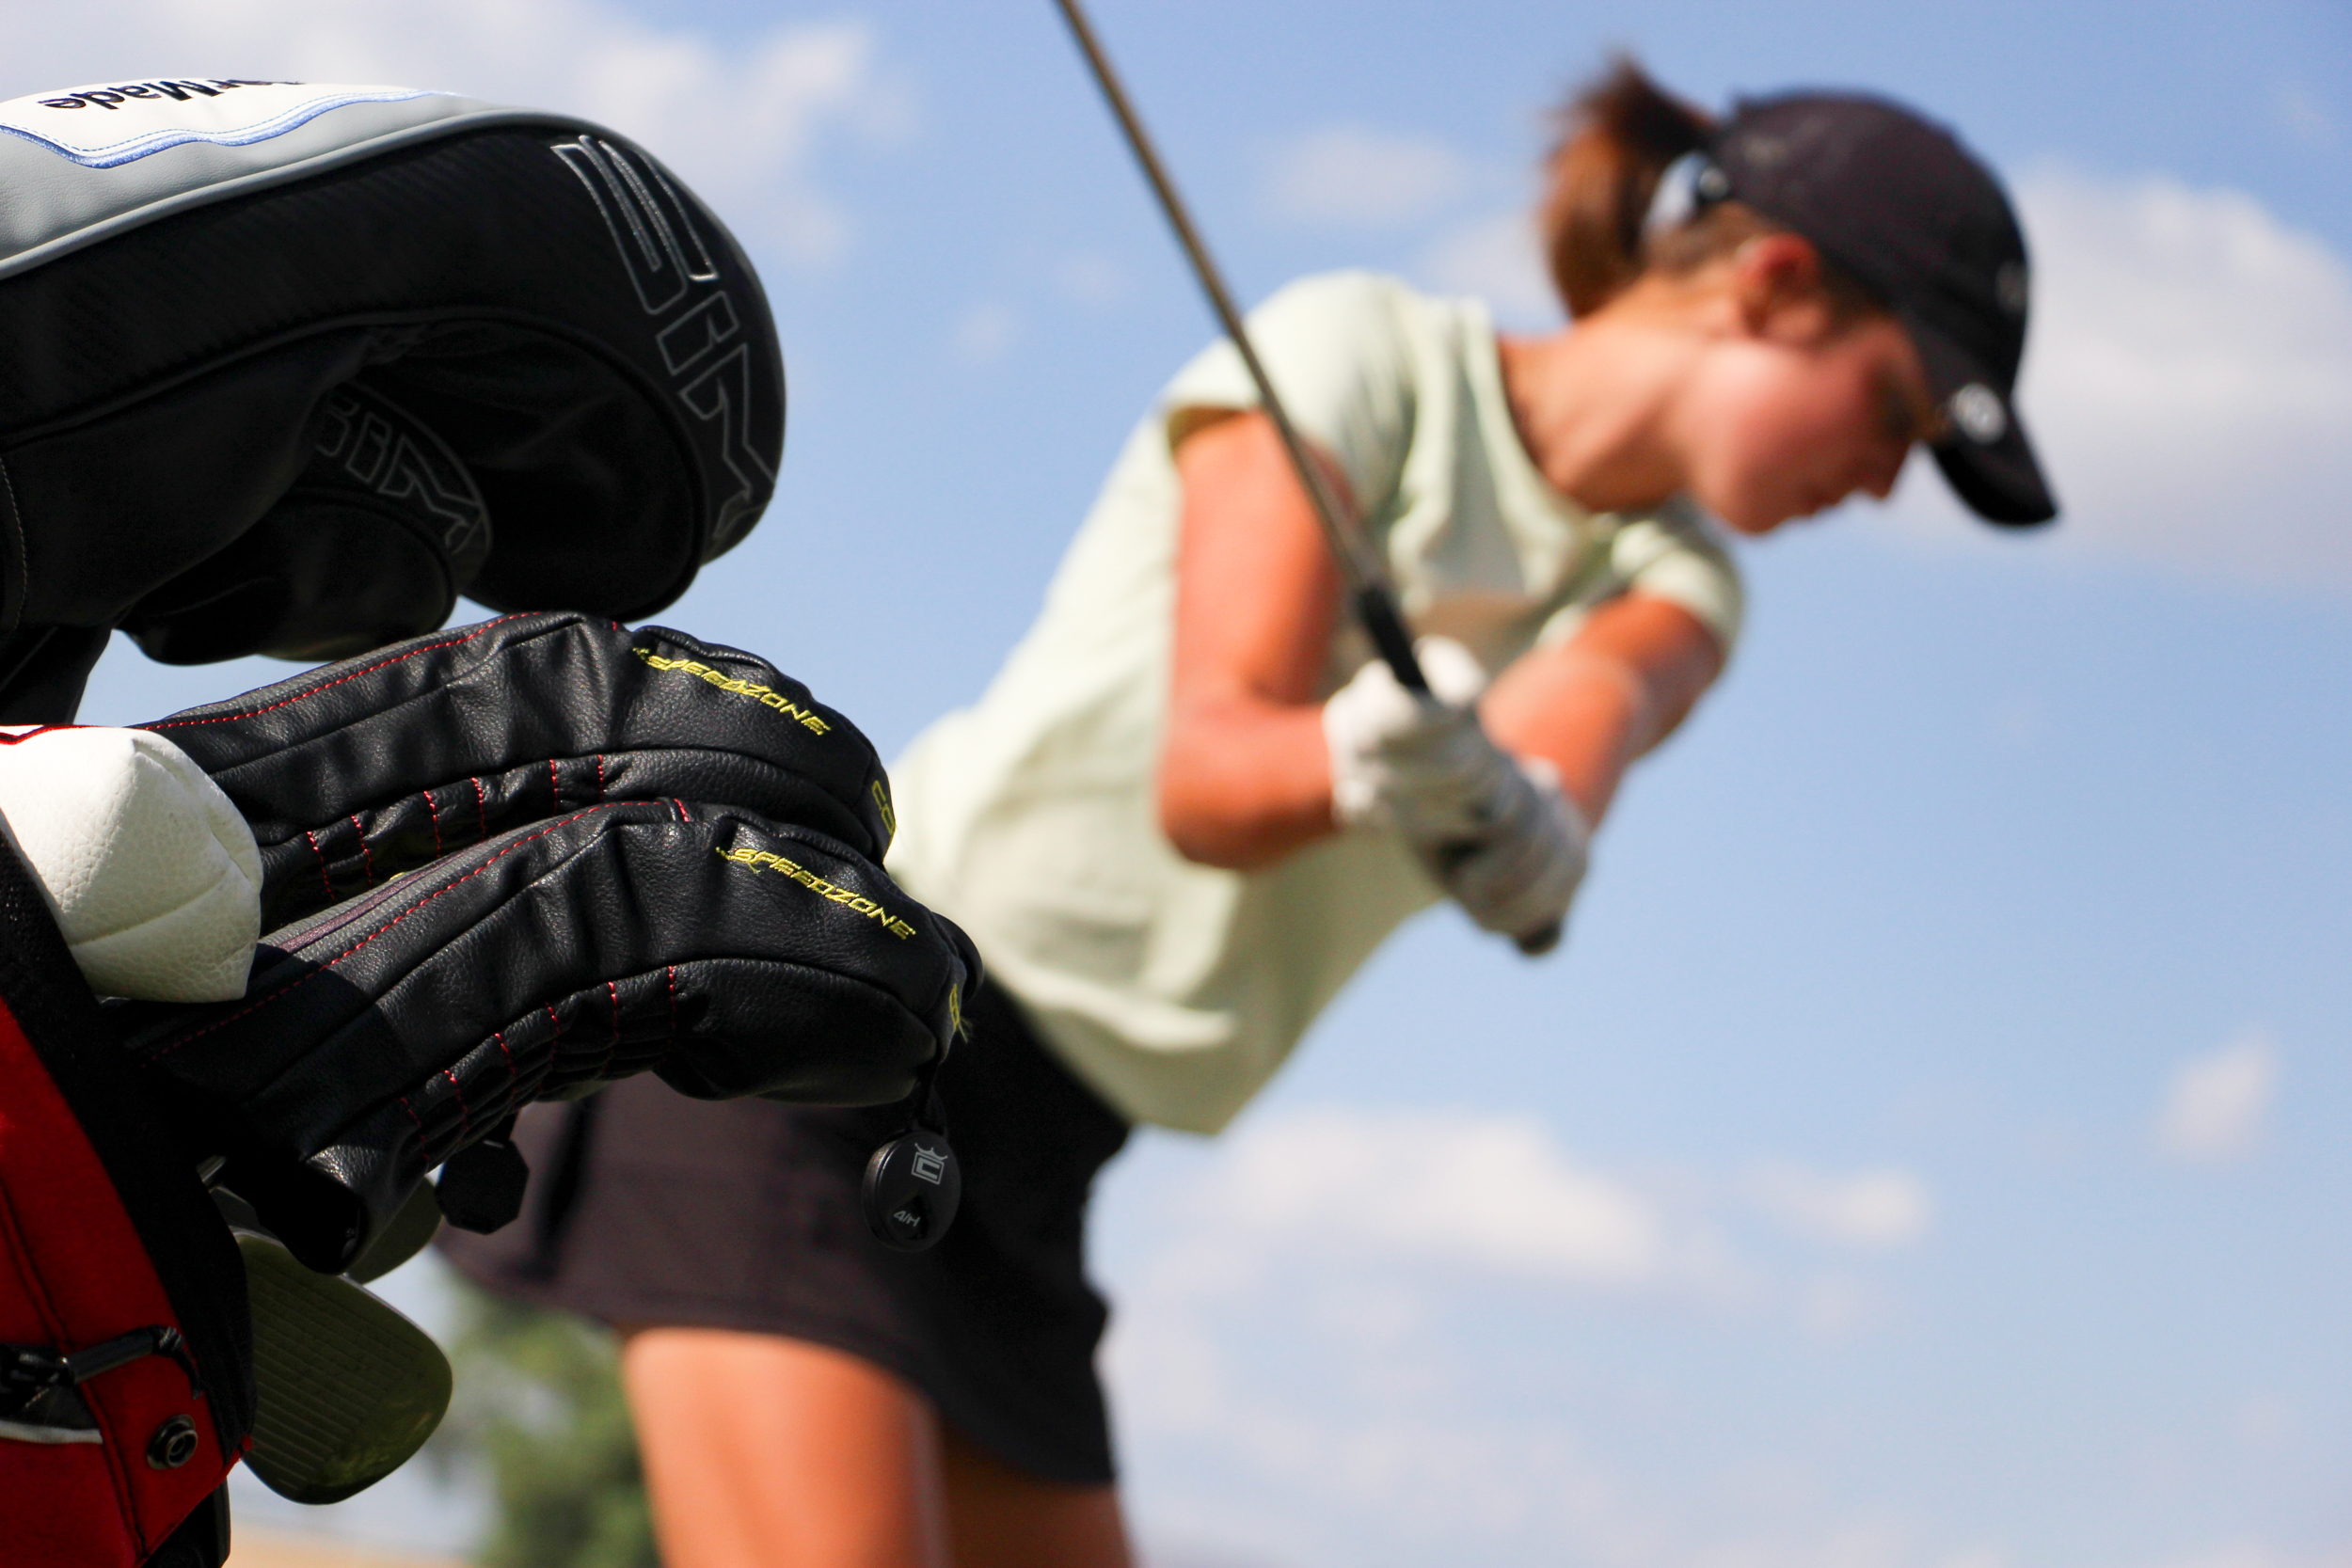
point(544, 852)
point(378, 535)
point(727, 953)
point(330, 377)
point(354, 773)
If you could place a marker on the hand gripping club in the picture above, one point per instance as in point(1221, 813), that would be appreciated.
point(1369, 591)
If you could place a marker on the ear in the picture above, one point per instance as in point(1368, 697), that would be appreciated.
point(1776, 281)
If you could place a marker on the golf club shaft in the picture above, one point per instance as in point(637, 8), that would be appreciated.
point(1361, 567)
point(1367, 579)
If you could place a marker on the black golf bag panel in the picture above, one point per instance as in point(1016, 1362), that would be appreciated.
point(126, 1382)
point(286, 368)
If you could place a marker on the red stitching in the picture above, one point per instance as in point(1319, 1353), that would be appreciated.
point(600, 775)
point(555, 785)
point(512, 1077)
point(324, 880)
point(264, 1002)
point(481, 811)
point(412, 1115)
point(672, 969)
point(465, 1121)
point(366, 861)
point(300, 696)
point(433, 814)
point(682, 810)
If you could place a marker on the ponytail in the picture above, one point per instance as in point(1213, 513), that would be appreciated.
point(1617, 136)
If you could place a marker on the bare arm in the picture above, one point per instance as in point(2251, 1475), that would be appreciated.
point(1590, 705)
point(1244, 777)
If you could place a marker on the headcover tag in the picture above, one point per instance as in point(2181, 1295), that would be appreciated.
point(100, 127)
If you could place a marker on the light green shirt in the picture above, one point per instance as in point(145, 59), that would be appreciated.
point(1176, 989)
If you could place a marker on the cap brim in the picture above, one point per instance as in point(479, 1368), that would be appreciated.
point(2001, 480)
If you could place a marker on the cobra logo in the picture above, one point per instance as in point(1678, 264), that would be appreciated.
point(678, 286)
point(381, 447)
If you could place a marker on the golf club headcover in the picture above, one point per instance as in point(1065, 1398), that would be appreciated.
point(150, 872)
point(354, 772)
point(727, 953)
point(287, 367)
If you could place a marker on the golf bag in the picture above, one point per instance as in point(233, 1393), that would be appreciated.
point(126, 1381)
point(287, 368)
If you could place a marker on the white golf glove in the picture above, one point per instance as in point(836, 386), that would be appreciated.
point(1495, 830)
point(1520, 876)
point(152, 875)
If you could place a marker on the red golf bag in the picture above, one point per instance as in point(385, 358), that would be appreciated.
point(125, 1375)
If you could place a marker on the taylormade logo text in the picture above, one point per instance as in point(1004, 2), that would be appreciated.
point(178, 92)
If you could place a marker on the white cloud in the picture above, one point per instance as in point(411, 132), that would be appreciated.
point(1090, 279)
point(2256, 1555)
point(742, 125)
point(1871, 1209)
point(2189, 381)
point(1361, 1230)
point(1448, 1188)
point(1499, 1195)
point(2306, 117)
point(1434, 1335)
point(2219, 1102)
point(1838, 1306)
point(2265, 1421)
point(1419, 1196)
point(1983, 1557)
point(1358, 177)
point(986, 331)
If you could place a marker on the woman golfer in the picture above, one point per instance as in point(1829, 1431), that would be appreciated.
point(1192, 804)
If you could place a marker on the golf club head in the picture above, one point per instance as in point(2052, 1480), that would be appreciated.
point(413, 1226)
point(348, 1388)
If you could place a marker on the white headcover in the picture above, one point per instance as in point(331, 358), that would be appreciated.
point(82, 162)
point(150, 872)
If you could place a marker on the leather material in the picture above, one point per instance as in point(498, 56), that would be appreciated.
point(44, 670)
point(727, 953)
point(562, 318)
point(376, 539)
point(361, 770)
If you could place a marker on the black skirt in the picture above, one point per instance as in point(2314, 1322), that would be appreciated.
point(647, 1208)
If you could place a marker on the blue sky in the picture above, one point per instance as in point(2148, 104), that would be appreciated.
point(1929, 1150)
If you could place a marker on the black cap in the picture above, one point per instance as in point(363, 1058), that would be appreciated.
point(1901, 207)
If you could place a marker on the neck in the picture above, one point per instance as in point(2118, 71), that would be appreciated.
point(1592, 404)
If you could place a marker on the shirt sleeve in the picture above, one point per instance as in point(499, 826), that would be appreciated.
point(1672, 554)
point(1335, 348)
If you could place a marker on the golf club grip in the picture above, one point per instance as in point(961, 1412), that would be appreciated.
point(1376, 609)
